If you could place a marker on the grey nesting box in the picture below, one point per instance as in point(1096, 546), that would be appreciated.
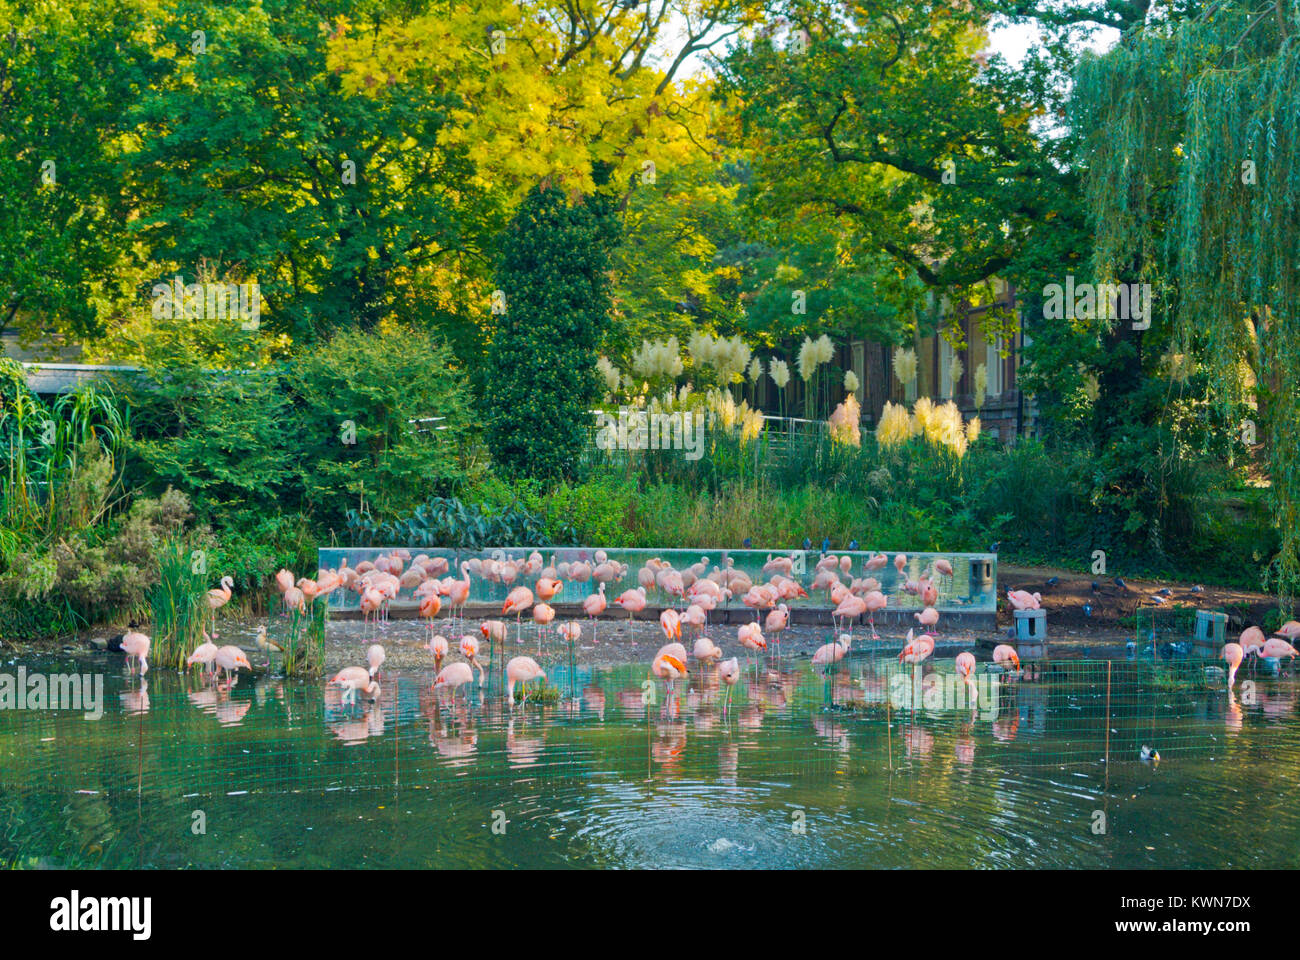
point(981, 572)
point(1211, 632)
point(1031, 634)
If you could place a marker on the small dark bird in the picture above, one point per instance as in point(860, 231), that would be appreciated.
point(1149, 754)
point(807, 544)
point(1121, 584)
point(826, 545)
point(747, 543)
point(1087, 609)
point(993, 547)
point(1198, 589)
point(1095, 586)
point(853, 544)
point(1131, 648)
point(1054, 581)
point(1164, 592)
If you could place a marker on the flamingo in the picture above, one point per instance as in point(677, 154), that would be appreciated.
point(571, 632)
point(670, 621)
point(670, 664)
point(829, 654)
point(469, 650)
point(438, 647)
point(594, 605)
point(850, 608)
point(943, 566)
point(517, 601)
point(876, 562)
point(917, 649)
point(218, 598)
point(695, 616)
point(430, 606)
point(706, 649)
point(927, 617)
point(1234, 654)
point(283, 580)
point(548, 588)
point(136, 647)
point(1005, 653)
point(1252, 642)
point(875, 600)
point(375, 656)
point(751, 638)
point(205, 653)
point(633, 601)
point(728, 673)
point(543, 614)
point(454, 675)
point(966, 670)
point(900, 561)
point(352, 679)
point(457, 592)
point(520, 670)
point(775, 623)
point(1290, 630)
point(1273, 647)
point(1023, 600)
point(230, 658)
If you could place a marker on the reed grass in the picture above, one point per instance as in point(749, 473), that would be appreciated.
point(179, 606)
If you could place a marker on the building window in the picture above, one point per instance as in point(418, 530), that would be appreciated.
point(860, 369)
point(946, 387)
point(994, 388)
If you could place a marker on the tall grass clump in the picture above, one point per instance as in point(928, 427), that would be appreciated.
point(179, 604)
point(304, 639)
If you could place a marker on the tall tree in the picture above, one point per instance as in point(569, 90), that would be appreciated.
point(554, 290)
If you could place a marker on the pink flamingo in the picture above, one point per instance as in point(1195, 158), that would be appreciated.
point(353, 679)
point(916, 649)
point(706, 649)
point(438, 647)
point(875, 600)
point(430, 606)
point(966, 670)
point(1273, 647)
point(543, 614)
point(1234, 654)
point(453, 676)
point(218, 598)
point(670, 621)
point(1005, 653)
point(829, 654)
point(375, 657)
point(230, 658)
point(205, 653)
point(517, 601)
point(593, 606)
point(850, 608)
point(469, 650)
point(927, 617)
point(521, 670)
point(750, 636)
point(728, 673)
point(633, 601)
point(876, 562)
point(669, 664)
point(136, 647)
point(775, 623)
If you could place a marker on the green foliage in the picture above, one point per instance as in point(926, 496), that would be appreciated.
point(179, 605)
point(383, 418)
point(540, 384)
point(449, 523)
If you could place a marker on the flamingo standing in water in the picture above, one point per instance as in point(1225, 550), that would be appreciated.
point(966, 670)
point(375, 657)
point(927, 617)
point(1252, 643)
point(1273, 647)
point(453, 675)
point(1233, 653)
point(829, 654)
point(469, 650)
point(670, 621)
point(218, 598)
point(438, 647)
point(353, 679)
point(706, 649)
point(136, 647)
point(916, 649)
point(520, 670)
point(230, 658)
point(206, 652)
point(1005, 653)
point(457, 594)
point(670, 664)
point(849, 609)
point(728, 673)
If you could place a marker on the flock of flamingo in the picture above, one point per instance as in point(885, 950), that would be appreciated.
point(693, 593)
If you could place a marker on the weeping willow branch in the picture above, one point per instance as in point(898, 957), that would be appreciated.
point(1193, 184)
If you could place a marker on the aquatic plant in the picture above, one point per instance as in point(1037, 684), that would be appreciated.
point(179, 605)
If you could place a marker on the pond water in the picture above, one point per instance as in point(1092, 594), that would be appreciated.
point(872, 767)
